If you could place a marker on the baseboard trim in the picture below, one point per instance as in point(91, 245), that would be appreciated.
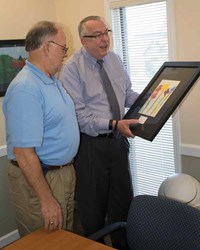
point(190, 150)
point(9, 238)
point(3, 150)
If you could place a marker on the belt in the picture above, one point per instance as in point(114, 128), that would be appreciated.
point(109, 135)
point(15, 163)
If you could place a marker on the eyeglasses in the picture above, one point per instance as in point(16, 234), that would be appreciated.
point(100, 35)
point(65, 49)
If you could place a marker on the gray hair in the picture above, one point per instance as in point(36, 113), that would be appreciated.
point(38, 33)
point(82, 27)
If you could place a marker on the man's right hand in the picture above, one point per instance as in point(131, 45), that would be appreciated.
point(123, 127)
point(52, 214)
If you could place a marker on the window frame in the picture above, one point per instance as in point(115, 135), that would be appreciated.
point(171, 26)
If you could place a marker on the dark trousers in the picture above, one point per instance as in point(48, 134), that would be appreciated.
point(104, 188)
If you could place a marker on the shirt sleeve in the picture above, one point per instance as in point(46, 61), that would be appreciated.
point(89, 123)
point(25, 120)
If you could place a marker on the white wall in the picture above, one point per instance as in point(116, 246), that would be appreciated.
point(187, 20)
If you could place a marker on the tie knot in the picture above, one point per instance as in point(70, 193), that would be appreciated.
point(100, 63)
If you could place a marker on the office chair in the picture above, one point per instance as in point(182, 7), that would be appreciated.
point(158, 223)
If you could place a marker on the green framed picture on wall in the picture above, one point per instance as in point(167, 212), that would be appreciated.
point(12, 60)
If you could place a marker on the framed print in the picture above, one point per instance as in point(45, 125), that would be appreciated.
point(12, 60)
point(161, 97)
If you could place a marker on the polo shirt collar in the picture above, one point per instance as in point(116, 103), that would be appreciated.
point(47, 80)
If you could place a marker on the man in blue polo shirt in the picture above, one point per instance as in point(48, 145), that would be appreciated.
point(42, 135)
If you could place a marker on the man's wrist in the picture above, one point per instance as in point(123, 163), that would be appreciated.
point(113, 124)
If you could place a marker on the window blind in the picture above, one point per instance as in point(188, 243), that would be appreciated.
point(140, 38)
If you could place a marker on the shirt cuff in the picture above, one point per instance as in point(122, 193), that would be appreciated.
point(103, 124)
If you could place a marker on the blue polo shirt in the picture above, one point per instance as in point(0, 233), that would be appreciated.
point(40, 114)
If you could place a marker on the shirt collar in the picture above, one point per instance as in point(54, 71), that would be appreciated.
point(46, 79)
point(90, 58)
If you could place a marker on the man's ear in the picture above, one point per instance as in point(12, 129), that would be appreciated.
point(84, 42)
point(46, 48)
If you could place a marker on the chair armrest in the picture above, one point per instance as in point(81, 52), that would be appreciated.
point(107, 230)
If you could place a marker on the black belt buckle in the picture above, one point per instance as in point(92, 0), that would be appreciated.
point(110, 135)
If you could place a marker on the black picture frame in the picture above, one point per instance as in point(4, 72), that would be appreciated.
point(12, 60)
point(161, 97)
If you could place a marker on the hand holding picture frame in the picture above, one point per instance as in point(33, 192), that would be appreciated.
point(161, 97)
